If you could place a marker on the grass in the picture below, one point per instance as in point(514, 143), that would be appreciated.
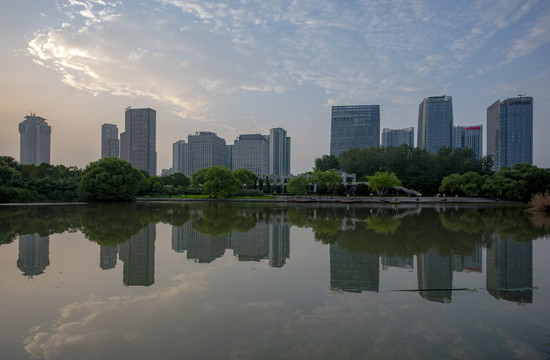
point(540, 203)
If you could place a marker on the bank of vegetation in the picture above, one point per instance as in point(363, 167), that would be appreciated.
point(450, 172)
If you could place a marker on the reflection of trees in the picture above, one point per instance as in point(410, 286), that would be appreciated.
point(383, 232)
point(219, 219)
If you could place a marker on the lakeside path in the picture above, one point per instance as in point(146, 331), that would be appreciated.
point(349, 200)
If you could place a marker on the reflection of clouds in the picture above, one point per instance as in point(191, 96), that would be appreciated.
point(187, 319)
point(83, 325)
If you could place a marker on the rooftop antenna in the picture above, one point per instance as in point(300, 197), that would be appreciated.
point(521, 95)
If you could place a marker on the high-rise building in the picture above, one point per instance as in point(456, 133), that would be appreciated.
point(205, 149)
point(398, 137)
point(435, 276)
point(354, 126)
point(435, 123)
point(229, 157)
point(180, 157)
point(251, 152)
point(279, 152)
point(469, 137)
point(510, 131)
point(109, 141)
point(138, 141)
point(35, 140)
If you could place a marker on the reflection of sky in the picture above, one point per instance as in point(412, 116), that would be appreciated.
point(231, 309)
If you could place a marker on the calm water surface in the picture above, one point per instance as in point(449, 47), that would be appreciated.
point(247, 281)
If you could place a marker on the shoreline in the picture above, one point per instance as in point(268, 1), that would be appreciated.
point(348, 200)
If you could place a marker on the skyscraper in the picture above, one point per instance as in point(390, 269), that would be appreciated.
point(435, 123)
point(34, 254)
point(469, 137)
point(279, 152)
point(138, 141)
point(398, 137)
point(205, 149)
point(510, 131)
point(35, 140)
point(354, 126)
point(109, 141)
point(180, 158)
point(251, 152)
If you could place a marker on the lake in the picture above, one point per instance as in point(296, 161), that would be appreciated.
point(215, 280)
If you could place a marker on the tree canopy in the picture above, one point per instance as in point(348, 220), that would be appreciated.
point(110, 179)
point(298, 185)
point(381, 182)
point(220, 182)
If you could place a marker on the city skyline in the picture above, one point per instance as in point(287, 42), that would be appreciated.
point(242, 68)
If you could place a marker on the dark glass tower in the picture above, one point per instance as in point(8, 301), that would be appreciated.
point(435, 123)
point(510, 131)
point(354, 127)
point(138, 142)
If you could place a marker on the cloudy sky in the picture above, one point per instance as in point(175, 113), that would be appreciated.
point(246, 66)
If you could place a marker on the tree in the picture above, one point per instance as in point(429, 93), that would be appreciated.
point(246, 177)
point(381, 182)
point(298, 185)
point(327, 162)
point(220, 182)
point(327, 178)
point(199, 177)
point(110, 179)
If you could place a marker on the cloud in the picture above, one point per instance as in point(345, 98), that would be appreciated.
point(194, 55)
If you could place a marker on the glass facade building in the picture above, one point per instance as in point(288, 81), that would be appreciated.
point(510, 131)
point(109, 141)
point(251, 152)
point(138, 142)
point(180, 157)
point(279, 152)
point(469, 137)
point(205, 149)
point(35, 140)
point(354, 127)
point(435, 123)
point(398, 137)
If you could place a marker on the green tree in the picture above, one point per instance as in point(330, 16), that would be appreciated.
point(327, 178)
point(246, 177)
point(220, 182)
point(110, 179)
point(298, 185)
point(327, 162)
point(198, 178)
point(381, 182)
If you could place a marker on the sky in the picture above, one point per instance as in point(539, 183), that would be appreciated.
point(244, 67)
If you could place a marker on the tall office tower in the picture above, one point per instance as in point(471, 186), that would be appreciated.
point(469, 263)
point(354, 126)
point(34, 254)
point(138, 256)
point(138, 141)
point(435, 123)
point(180, 159)
point(510, 131)
point(279, 241)
point(435, 276)
point(510, 269)
point(109, 141)
point(229, 157)
point(35, 140)
point(206, 149)
point(251, 152)
point(398, 137)
point(469, 137)
point(252, 245)
point(279, 152)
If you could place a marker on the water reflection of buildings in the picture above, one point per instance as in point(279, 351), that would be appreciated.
point(469, 263)
point(264, 241)
point(34, 254)
point(397, 261)
point(138, 256)
point(510, 269)
point(435, 276)
point(107, 257)
point(353, 271)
